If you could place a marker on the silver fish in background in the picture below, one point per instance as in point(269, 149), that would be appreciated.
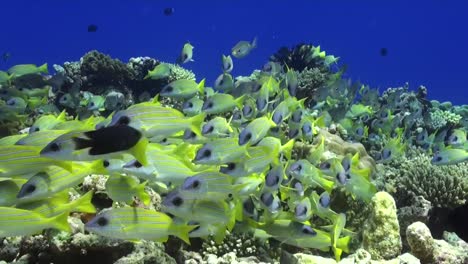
point(243, 48)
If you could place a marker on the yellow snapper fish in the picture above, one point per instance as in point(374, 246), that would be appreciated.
point(11, 140)
point(103, 143)
point(221, 103)
point(303, 235)
point(243, 48)
point(19, 161)
point(121, 188)
point(162, 167)
point(16, 104)
point(132, 223)
point(255, 130)
point(60, 204)
point(154, 120)
point(224, 82)
point(207, 185)
point(228, 66)
point(5, 77)
point(356, 181)
point(216, 128)
point(291, 81)
point(450, 156)
point(25, 69)
point(41, 138)
point(20, 222)
point(183, 89)
point(203, 211)
point(96, 103)
point(310, 175)
point(9, 188)
point(186, 54)
point(192, 106)
point(161, 71)
point(220, 151)
point(52, 180)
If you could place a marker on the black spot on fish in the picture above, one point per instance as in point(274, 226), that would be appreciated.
point(108, 140)
point(177, 201)
point(383, 52)
point(246, 110)
point(308, 230)
point(300, 210)
point(293, 133)
point(267, 199)
point(54, 147)
point(36, 129)
point(167, 89)
point(244, 137)
point(102, 221)
point(30, 188)
point(228, 168)
point(92, 28)
point(325, 165)
point(169, 11)
point(105, 163)
point(137, 164)
point(324, 200)
point(249, 206)
point(124, 120)
point(208, 105)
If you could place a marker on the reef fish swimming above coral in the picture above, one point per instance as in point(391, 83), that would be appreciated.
point(293, 153)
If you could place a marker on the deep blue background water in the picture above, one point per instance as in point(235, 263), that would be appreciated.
point(427, 41)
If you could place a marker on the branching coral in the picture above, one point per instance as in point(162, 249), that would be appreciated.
point(443, 186)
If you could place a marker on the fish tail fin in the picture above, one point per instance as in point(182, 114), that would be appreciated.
point(287, 148)
point(147, 75)
point(327, 185)
point(60, 222)
point(182, 232)
point(196, 122)
point(219, 235)
point(240, 101)
point(156, 100)
point(139, 151)
point(43, 68)
point(144, 197)
point(201, 86)
point(343, 243)
point(83, 204)
point(254, 43)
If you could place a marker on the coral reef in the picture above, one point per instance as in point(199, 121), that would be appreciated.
point(430, 250)
point(381, 232)
point(443, 186)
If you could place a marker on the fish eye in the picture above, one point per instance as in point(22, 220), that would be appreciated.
point(208, 104)
point(11, 102)
point(164, 140)
point(359, 131)
point(296, 167)
point(36, 129)
point(308, 230)
point(30, 188)
point(384, 114)
point(91, 104)
point(168, 89)
point(191, 183)
point(189, 134)
point(297, 116)
point(206, 153)
point(230, 167)
point(177, 201)
point(102, 221)
point(105, 163)
point(124, 120)
point(54, 147)
point(438, 158)
point(189, 105)
point(348, 176)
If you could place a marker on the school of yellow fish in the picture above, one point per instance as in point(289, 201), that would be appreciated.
point(220, 161)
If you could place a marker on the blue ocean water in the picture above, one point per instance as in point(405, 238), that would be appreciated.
point(426, 41)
